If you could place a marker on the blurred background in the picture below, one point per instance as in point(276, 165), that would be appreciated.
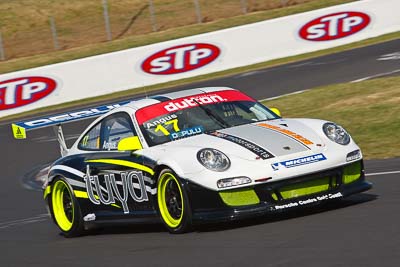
point(31, 27)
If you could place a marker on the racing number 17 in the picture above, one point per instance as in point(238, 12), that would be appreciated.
point(161, 128)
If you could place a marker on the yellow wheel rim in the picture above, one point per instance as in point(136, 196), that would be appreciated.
point(170, 200)
point(63, 207)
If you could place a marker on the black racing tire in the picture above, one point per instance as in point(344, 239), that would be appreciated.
point(173, 203)
point(64, 208)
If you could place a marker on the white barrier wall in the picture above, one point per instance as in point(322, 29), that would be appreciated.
point(201, 54)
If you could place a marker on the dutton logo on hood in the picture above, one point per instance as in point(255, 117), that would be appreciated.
point(181, 58)
point(334, 26)
point(23, 91)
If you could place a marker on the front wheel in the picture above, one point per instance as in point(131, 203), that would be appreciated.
point(173, 204)
point(65, 209)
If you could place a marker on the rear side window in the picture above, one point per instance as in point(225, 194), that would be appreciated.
point(91, 140)
point(106, 135)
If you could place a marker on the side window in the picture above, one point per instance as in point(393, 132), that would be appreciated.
point(107, 133)
point(91, 141)
point(115, 128)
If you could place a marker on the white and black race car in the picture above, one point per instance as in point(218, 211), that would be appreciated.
point(194, 156)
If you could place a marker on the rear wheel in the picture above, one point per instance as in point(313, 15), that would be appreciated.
point(173, 203)
point(65, 209)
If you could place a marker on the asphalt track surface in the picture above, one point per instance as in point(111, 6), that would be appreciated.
point(363, 230)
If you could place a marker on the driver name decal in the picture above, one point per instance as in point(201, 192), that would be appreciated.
point(161, 121)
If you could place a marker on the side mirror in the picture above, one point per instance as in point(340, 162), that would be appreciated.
point(129, 144)
point(276, 111)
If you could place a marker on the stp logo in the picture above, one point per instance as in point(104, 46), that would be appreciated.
point(23, 91)
point(181, 58)
point(334, 26)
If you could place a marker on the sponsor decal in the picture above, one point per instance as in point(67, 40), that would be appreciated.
point(150, 112)
point(191, 102)
point(181, 58)
point(18, 132)
point(19, 92)
point(69, 116)
point(89, 217)
point(259, 151)
point(308, 201)
point(334, 26)
point(132, 184)
point(298, 162)
point(295, 136)
point(187, 132)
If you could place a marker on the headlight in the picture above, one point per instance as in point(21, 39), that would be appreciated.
point(213, 159)
point(336, 133)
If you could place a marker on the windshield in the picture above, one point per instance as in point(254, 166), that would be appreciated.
point(179, 118)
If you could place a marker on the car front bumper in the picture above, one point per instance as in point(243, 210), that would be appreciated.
point(300, 192)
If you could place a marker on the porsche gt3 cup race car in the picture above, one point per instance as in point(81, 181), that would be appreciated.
point(194, 156)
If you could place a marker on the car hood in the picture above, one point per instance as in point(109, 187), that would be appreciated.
point(265, 140)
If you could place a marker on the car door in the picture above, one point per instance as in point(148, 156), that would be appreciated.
point(117, 182)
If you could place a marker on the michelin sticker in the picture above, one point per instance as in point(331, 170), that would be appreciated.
point(298, 162)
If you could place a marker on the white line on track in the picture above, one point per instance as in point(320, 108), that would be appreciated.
point(249, 73)
point(313, 63)
point(381, 173)
point(375, 76)
point(38, 218)
point(300, 65)
point(355, 81)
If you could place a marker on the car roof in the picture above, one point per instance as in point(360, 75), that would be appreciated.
point(151, 100)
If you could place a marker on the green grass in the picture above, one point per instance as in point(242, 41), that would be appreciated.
point(369, 110)
point(73, 29)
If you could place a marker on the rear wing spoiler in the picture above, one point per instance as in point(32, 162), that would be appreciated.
point(20, 129)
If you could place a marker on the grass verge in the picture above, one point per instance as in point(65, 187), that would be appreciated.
point(369, 110)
